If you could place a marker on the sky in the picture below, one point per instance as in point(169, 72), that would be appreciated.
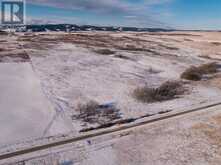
point(180, 14)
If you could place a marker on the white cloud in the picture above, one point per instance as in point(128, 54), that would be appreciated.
point(130, 11)
point(92, 5)
point(98, 5)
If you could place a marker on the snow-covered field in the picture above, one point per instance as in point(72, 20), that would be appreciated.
point(45, 76)
point(72, 72)
point(25, 110)
point(192, 139)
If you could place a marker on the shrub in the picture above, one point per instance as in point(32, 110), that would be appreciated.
point(196, 73)
point(193, 73)
point(89, 108)
point(209, 68)
point(167, 91)
point(92, 112)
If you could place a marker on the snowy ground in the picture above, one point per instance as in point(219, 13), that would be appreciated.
point(25, 111)
point(191, 139)
point(72, 72)
point(48, 74)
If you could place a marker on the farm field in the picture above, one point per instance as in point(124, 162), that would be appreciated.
point(54, 84)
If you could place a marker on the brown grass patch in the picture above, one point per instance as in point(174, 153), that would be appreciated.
point(216, 43)
point(187, 39)
point(196, 73)
point(104, 51)
point(38, 42)
point(105, 41)
point(167, 91)
point(14, 57)
point(211, 130)
point(174, 34)
point(131, 48)
point(122, 57)
point(26, 38)
point(92, 113)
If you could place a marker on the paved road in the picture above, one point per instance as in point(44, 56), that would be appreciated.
point(38, 148)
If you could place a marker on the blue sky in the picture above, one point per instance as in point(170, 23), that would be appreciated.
point(188, 14)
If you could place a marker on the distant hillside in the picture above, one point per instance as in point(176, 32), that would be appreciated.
point(71, 28)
